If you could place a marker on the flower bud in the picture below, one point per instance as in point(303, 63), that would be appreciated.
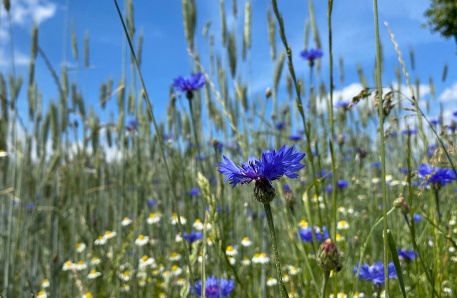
point(328, 256)
point(268, 92)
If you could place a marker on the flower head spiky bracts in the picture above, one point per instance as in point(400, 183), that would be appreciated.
point(328, 256)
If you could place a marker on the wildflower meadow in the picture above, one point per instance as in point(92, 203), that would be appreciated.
point(223, 188)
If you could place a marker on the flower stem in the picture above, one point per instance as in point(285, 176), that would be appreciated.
point(325, 283)
point(282, 287)
point(437, 205)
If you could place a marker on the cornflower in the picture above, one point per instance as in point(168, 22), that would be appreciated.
point(214, 287)
point(311, 55)
point(189, 84)
point(375, 272)
point(272, 166)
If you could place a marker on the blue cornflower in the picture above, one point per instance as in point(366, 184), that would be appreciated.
point(404, 170)
point(280, 125)
point(342, 104)
point(410, 131)
point(190, 84)
point(455, 114)
point(29, 206)
point(311, 55)
point(342, 184)
point(325, 174)
point(436, 176)
point(214, 287)
point(376, 165)
point(375, 272)
point(435, 121)
point(295, 137)
point(406, 255)
point(272, 166)
point(151, 203)
point(306, 234)
point(132, 125)
point(417, 218)
point(328, 188)
point(193, 236)
point(431, 149)
point(194, 191)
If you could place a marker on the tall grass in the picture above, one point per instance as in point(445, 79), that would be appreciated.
point(106, 207)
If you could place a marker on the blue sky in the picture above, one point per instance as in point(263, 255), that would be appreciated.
point(165, 56)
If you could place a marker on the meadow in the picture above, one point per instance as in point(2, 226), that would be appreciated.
point(290, 192)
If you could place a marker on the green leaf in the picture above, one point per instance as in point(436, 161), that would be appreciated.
point(393, 251)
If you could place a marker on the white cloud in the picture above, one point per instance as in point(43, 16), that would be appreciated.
point(19, 58)
point(449, 94)
point(348, 92)
point(37, 11)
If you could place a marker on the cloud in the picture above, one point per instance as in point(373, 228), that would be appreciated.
point(449, 94)
point(19, 58)
point(37, 11)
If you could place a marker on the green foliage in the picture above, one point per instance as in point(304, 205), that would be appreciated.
point(442, 16)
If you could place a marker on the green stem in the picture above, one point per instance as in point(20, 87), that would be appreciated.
point(437, 205)
point(325, 283)
point(282, 287)
point(382, 146)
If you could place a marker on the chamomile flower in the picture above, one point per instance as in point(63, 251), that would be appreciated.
point(42, 294)
point(339, 295)
point(231, 251)
point(174, 219)
point(245, 261)
point(181, 282)
point(81, 265)
point(232, 260)
point(109, 235)
point(80, 247)
point(3, 153)
point(68, 265)
point(293, 270)
point(45, 284)
point(198, 225)
point(178, 238)
point(200, 257)
point(209, 241)
point(175, 257)
point(125, 276)
point(340, 238)
point(93, 274)
point(342, 225)
point(246, 242)
point(125, 288)
point(358, 295)
point(260, 258)
point(146, 261)
point(88, 295)
point(271, 281)
point(126, 221)
point(95, 261)
point(100, 240)
point(154, 218)
point(176, 270)
point(141, 282)
point(285, 278)
point(141, 240)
